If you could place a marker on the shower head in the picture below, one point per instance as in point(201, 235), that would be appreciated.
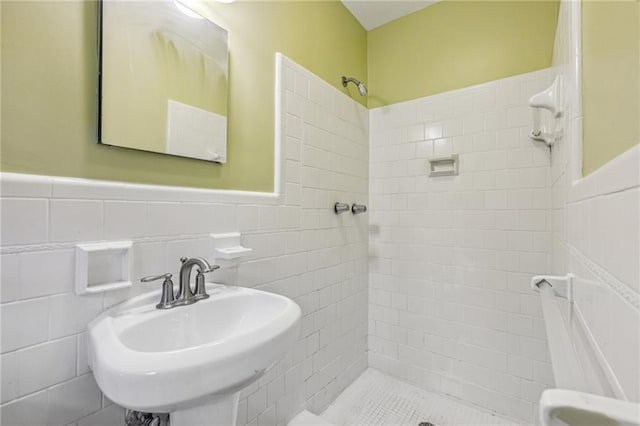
point(361, 87)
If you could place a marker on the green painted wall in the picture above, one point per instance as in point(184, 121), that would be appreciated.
point(49, 70)
point(455, 44)
point(610, 80)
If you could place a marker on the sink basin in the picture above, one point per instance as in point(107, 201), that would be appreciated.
point(155, 360)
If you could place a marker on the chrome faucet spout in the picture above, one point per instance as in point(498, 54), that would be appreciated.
point(185, 294)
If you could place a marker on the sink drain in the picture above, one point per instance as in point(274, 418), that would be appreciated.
point(426, 424)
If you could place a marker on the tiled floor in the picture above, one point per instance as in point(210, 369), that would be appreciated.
point(378, 399)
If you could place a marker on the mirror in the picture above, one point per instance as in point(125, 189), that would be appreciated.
point(163, 79)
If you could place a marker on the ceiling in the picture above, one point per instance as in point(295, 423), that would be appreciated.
point(373, 13)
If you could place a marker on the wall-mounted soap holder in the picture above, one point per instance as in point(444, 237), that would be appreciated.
point(227, 246)
point(443, 166)
point(550, 100)
point(562, 285)
point(103, 266)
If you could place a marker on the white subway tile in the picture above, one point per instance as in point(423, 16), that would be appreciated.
point(416, 133)
point(292, 149)
point(45, 365)
point(9, 376)
point(520, 325)
point(530, 305)
point(532, 220)
point(531, 391)
point(268, 217)
point(198, 218)
point(293, 194)
point(161, 219)
point(47, 272)
point(223, 220)
point(24, 221)
point(452, 127)
point(73, 400)
point(248, 218)
point(28, 411)
point(76, 220)
point(620, 252)
point(463, 144)
point(424, 149)
point(70, 314)
point(24, 323)
point(275, 390)
point(257, 402)
point(111, 415)
point(508, 93)
point(484, 99)
point(519, 116)
point(124, 220)
point(473, 123)
point(495, 120)
point(507, 138)
point(24, 185)
point(534, 349)
point(442, 147)
point(433, 131)
point(10, 280)
point(534, 263)
point(83, 359)
point(520, 157)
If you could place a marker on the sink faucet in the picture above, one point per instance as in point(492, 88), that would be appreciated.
point(185, 296)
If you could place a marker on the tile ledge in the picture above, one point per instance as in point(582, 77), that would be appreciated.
point(26, 185)
point(617, 175)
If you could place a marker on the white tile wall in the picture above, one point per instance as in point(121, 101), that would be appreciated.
point(450, 307)
point(301, 249)
point(596, 226)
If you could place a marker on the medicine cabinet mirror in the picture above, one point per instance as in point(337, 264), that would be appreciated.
point(163, 79)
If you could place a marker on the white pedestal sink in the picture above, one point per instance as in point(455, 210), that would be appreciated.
point(190, 361)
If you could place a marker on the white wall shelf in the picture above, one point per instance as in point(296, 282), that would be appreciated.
point(227, 246)
point(103, 266)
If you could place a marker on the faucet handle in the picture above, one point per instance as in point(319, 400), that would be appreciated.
point(167, 300)
point(201, 291)
point(211, 269)
point(156, 277)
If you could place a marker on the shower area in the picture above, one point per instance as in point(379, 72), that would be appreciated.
point(450, 307)
point(454, 334)
point(469, 198)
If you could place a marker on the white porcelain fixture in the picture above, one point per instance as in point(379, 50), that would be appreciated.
point(190, 361)
point(228, 246)
point(588, 394)
point(561, 407)
point(549, 99)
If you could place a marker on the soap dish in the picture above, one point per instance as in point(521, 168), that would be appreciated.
point(227, 246)
point(103, 266)
point(231, 252)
